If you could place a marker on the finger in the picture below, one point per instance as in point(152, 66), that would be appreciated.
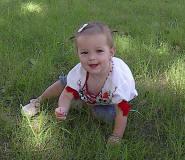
point(61, 117)
point(60, 114)
point(58, 111)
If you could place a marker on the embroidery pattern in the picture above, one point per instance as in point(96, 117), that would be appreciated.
point(102, 98)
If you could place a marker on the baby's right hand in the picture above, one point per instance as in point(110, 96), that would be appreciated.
point(60, 113)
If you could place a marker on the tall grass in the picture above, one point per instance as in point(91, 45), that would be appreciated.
point(33, 53)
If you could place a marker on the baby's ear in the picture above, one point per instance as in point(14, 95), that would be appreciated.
point(112, 51)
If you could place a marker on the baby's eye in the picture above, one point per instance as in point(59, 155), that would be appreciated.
point(84, 52)
point(99, 51)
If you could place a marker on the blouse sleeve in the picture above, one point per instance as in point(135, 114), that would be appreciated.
point(75, 78)
point(74, 92)
point(125, 92)
point(125, 107)
point(124, 86)
point(124, 83)
point(122, 96)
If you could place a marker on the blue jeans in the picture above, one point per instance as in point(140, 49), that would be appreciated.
point(105, 113)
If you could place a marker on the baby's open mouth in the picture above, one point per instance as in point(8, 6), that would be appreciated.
point(93, 65)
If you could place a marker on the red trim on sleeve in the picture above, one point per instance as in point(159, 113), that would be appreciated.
point(125, 107)
point(75, 93)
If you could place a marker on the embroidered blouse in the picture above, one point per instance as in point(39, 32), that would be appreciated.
point(118, 88)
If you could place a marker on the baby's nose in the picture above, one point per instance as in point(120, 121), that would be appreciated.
point(92, 56)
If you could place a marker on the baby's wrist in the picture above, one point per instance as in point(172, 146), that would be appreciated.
point(63, 109)
point(117, 133)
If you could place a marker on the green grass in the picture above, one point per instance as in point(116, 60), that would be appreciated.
point(33, 53)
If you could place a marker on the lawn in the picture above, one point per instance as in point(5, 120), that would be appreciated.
point(34, 53)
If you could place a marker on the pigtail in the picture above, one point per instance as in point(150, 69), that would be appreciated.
point(70, 38)
point(119, 32)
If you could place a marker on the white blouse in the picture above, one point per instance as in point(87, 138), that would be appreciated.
point(119, 86)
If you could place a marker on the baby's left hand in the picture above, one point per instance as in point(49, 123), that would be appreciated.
point(113, 139)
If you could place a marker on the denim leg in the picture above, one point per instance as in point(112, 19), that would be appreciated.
point(105, 113)
point(63, 80)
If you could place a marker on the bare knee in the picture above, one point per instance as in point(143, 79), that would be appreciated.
point(52, 91)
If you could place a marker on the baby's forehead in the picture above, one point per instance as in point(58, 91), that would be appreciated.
point(86, 37)
point(91, 35)
point(95, 39)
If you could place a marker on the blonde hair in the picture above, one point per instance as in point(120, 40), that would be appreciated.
point(95, 28)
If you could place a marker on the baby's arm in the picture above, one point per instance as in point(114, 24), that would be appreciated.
point(63, 105)
point(120, 123)
point(119, 126)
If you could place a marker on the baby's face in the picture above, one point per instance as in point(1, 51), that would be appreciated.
point(94, 53)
